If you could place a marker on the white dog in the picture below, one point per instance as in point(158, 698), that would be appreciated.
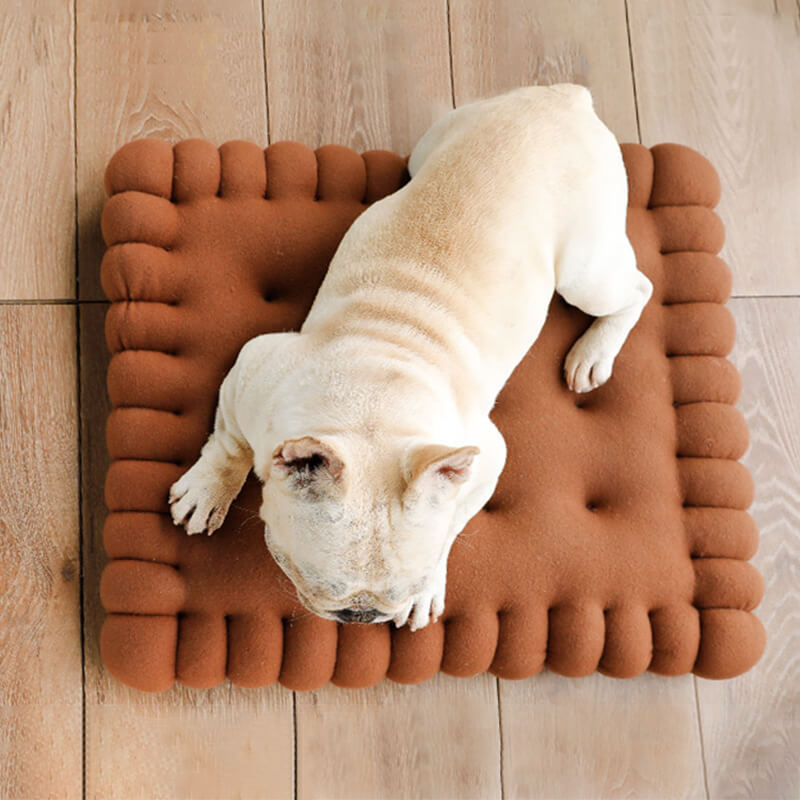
point(370, 427)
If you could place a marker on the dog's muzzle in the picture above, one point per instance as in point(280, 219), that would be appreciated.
point(355, 614)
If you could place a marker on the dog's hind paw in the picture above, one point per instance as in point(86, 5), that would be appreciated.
point(586, 366)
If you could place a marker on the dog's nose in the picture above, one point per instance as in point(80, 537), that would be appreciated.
point(357, 614)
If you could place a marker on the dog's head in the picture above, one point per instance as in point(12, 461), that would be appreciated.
point(359, 526)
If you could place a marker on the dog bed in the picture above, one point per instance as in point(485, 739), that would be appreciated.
point(617, 539)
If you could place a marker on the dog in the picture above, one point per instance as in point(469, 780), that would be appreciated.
point(369, 428)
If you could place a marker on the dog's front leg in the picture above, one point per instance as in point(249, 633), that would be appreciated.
point(200, 499)
point(492, 458)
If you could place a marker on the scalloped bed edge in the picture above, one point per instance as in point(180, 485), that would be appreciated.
point(724, 639)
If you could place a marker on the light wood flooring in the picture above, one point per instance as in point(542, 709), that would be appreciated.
point(78, 80)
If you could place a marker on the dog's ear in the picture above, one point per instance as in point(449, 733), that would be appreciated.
point(435, 469)
point(308, 463)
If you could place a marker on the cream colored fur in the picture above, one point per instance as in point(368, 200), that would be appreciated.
point(370, 427)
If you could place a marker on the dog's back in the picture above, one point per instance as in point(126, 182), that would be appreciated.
point(460, 264)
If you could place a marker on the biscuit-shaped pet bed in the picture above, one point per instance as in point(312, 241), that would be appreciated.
point(617, 539)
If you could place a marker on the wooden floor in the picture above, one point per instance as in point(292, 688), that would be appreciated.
point(79, 80)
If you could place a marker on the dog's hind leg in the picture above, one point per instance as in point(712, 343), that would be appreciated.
point(615, 293)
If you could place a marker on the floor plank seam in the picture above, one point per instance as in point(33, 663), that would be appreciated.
point(700, 733)
point(294, 745)
point(78, 377)
point(450, 55)
point(81, 577)
point(264, 60)
point(500, 732)
point(633, 73)
point(54, 301)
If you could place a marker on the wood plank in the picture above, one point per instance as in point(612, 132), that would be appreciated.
point(37, 211)
point(191, 69)
point(334, 75)
point(591, 737)
point(501, 45)
point(170, 70)
point(600, 737)
point(224, 742)
point(362, 73)
point(40, 627)
point(722, 76)
point(751, 725)
point(438, 739)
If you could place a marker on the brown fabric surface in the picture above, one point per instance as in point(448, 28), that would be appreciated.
point(617, 539)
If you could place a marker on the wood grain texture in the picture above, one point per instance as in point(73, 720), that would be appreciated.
point(592, 737)
point(719, 75)
point(224, 742)
point(157, 69)
point(600, 737)
point(172, 70)
point(501, 45)
point(437, 739)
point(36, 151)
point(376, 74)
point(40, 653)
point(217, 744)
point(722, 76)
point(362, 73)
point(751, 725)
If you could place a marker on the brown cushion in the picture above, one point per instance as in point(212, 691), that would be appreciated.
point(617, 539)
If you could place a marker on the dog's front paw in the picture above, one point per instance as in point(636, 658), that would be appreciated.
point(587, 366)
point(200, 500)
point(422, 607)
